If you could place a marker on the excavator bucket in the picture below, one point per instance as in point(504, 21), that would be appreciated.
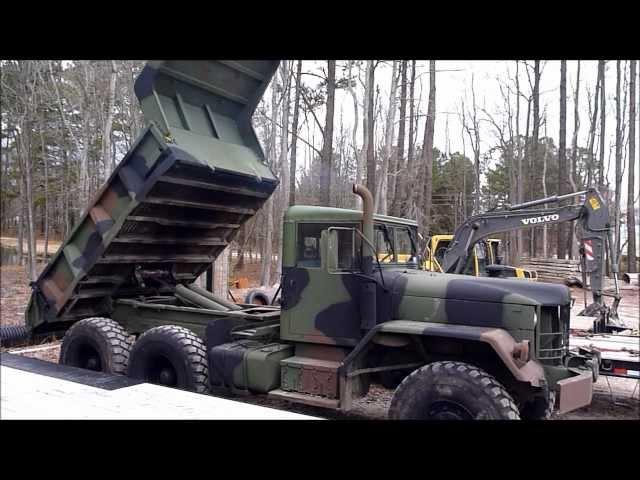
point(175, 201)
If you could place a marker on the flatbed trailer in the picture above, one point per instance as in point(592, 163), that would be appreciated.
point(619, 353)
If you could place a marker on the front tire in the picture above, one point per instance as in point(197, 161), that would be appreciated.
point(98, 344)
point(540, 408)
point(171, 356)
point(452, 391)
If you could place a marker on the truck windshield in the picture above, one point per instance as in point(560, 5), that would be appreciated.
point(394, 244)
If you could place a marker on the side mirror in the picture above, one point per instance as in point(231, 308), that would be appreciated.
point(329, 250)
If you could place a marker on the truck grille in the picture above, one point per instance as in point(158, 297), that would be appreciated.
point(552, 334)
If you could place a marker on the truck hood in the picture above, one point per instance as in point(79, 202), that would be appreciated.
point(418, 283)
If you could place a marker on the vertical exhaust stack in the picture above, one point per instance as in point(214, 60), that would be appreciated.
point(368, 290)
point(367, 225)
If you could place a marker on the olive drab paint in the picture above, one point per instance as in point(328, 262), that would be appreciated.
point(351, 281)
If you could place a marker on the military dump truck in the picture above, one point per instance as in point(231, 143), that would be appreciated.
point(355, 305)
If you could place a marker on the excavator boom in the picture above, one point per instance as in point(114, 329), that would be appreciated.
point(593, 215)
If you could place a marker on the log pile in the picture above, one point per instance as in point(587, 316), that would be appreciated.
point(553, 270)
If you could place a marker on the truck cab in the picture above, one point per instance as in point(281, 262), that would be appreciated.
point(328, 318)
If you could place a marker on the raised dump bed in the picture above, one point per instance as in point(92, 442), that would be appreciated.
point(174, 202)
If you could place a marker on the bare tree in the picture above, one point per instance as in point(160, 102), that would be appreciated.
point(294, 137)
point(545, 229)
point(534, 140)
point(571, 239)
point(370, 121)
point(427, 149)
point(354, 131)
point(562, 154)
point(631, 205)
point(618, 170)
point(380, 198)
point(592, 133)
point(267, 244)
point(520, 186)
point(398, 165)
point(327, 146)
point(603, 117)
point(408, 181)
point(473, 132)
point(107, 158)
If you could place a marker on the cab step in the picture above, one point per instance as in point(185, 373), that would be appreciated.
point(305, 398)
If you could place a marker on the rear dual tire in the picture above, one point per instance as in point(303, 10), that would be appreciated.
point(167, 355)
point(171, 356)
point(98, 344)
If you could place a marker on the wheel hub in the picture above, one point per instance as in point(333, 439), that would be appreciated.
point(93, 363)
point(167, 376)
point(448, 411)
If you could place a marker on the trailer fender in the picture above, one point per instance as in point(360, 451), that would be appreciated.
point(513, 354)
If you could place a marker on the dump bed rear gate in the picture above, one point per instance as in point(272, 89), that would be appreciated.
point(174, 202)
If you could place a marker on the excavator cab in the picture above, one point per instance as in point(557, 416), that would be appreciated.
point(486, 260)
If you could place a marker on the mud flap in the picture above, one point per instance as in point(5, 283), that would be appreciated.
point(574, 392)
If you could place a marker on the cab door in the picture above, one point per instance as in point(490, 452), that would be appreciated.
point(319, 307)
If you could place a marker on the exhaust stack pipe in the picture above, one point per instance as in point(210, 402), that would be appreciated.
point(367, 225)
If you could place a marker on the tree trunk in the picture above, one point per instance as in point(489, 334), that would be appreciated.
point(294, 137)
point(28, 181)
point(562, 154)
point(370, 119)
point(409, 174)
point(107, 158)
point(399, 166)
point(618, 172)
point(572, 239)
point(603, 117)
point(327, 145)
point(631, 207)
point(545, 229)
point(21, 228)
point(520, 185)
point(46, 194)
point(592, 133)
point(534, 140)
point(267, 244)
point(427, 149)
point(284, 151)
point(381, 197)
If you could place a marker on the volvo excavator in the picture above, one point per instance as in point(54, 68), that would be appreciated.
point(485, 253)
point(593, 217)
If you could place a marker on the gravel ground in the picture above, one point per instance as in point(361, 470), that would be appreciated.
point(614, 398)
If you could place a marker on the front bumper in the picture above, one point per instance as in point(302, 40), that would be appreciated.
point(574, 392)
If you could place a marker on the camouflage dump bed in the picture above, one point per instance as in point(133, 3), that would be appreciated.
point(174, 202)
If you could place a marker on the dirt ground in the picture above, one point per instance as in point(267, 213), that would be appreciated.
point(614, 398)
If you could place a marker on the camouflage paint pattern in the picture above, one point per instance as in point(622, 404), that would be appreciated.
point(176, 199)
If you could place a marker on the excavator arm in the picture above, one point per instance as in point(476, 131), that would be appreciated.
point(593, 215)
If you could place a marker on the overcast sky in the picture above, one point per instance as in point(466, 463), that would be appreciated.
point(453, 83)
